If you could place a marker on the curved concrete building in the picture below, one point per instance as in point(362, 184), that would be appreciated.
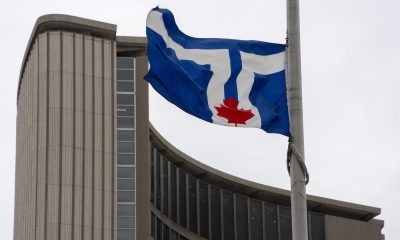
point(90, 166)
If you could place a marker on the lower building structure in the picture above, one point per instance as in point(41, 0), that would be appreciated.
point(89, 165)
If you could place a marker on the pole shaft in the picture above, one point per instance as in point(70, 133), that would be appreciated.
point(298, 187)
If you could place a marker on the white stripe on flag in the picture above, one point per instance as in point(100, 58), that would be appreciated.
point(218, 59)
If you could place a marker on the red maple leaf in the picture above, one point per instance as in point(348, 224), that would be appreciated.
point(230, 111)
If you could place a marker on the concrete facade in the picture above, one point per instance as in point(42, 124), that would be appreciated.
point(66, 155)
point(65, 101)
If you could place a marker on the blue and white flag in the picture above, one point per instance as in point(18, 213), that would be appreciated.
point(223, 81)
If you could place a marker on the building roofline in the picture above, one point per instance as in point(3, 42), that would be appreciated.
point(257, 190)
point(62, 22)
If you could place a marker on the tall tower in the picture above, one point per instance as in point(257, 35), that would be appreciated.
point(81, 108)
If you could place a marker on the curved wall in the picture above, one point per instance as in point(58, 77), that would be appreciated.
point(184, 204)
point(194, 201)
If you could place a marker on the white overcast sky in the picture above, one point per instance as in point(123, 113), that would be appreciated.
point(351, 82)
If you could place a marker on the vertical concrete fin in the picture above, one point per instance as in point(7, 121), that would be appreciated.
point(54, 124)
point(88, 144)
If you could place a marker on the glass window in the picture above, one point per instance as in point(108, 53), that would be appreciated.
point(125, 62)
point(158, 181)
point(126, 159)
point(158, 229)
point(125, 86)
point(152, 175)
point(152, 228)
point(174, 198)
point(317, 225)
point(215, 212)
point(124, 74)
point(125, 111)
point(165, 187)
point(174, 235)
point(125, 222)
point(126, 234)
point(126, 172)
point(125, 122)
point(242, 224)
point(125, 135)
point(126, 210)
point(125, 99)
point(125, 147)
point(256, 220)
point(203, 205)
point(271, 221)
point(125, 196)
point(126, 184)
point(165, 232)
point(192, 204)
point(229, 228)
point(182, 199)
point(285, 223)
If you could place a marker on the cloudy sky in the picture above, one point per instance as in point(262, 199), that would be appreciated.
point(351, 81)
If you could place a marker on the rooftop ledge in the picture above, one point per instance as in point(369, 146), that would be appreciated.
point(62, 22)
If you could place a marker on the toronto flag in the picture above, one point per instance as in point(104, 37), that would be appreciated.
point(223, 81)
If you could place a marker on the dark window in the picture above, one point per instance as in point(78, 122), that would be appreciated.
point(165, 232)
point(182, 238)
point(256, 220)
point(125, 172)
point(125, 99)
point(317, 226)
point(125, 196)
point(215, 213)
point(157, 185)
point(125, 135)
point(125, 147)
point(152, 174)
point(125, 62)
point(165, 187)
point(125, 74)
point(192, 204)
point(242, 224)
point(173, 193)
point(285, 223)
point(125, 222)
point(126, 111)
point(203, 205)
point(174, 235)
point(126, 234)
point(125, 159)
point(158, 229)
point(126, 184)
point(125, 86)
point(126, 210)
point(152, 227)
point(125, 122)
point(229, 228)
point(182, 199)
point(271, 222)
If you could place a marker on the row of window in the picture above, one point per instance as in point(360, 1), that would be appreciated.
point(126, 172)
point(213, 213)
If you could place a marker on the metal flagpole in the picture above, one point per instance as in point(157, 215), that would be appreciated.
point(298, 172)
